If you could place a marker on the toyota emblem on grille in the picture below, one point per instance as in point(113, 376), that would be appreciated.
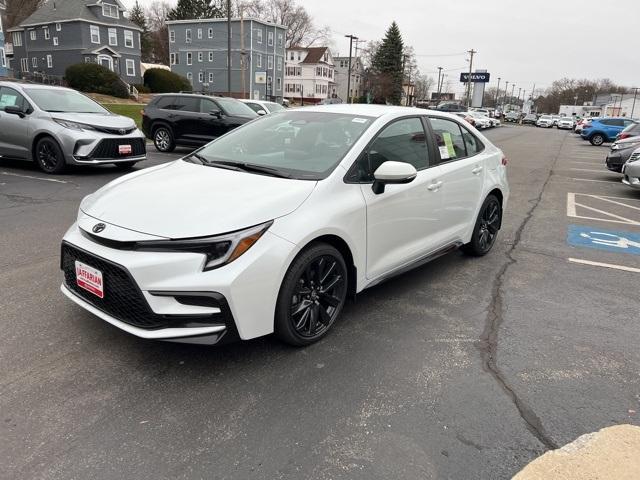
point(98, 227)
point(122, 131)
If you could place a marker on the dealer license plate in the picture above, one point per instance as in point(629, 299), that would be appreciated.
point(89, 279)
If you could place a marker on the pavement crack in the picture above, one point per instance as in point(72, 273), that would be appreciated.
point(488, 344)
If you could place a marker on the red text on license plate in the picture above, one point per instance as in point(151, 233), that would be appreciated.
point(90, 279)
point(124, 149)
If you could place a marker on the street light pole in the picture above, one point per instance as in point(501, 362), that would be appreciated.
point(495, 103)
point(439, 84)
point(633, 107)
point(504, 98)
point(356, 57)
point(471, 52)
point(351, 39)
point(513, 89)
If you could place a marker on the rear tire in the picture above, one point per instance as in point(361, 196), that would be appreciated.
point(125, 166)
point(597, 139)
point(486, 228)
point(312, 295)
point(49, 156)
point(163, 139)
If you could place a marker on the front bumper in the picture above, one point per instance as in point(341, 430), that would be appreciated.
point(146, 290)
point(88, 147)
point(631, 174)
point(615, 161)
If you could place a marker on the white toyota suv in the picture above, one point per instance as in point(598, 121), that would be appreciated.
point(273, 226)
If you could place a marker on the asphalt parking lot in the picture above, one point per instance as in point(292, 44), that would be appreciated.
point(462, 369)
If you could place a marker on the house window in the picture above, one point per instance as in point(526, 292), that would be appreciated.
point(131, 67)
point(280, 40)
point(113, 37)
point(58, 27)
point(270, 62)
point(210, 33)
point(49, 61)
point(270, 39)
point(34, 62)
point(189, 58)
point(210, 77)
point(200, 77)
point(128, 38)
point(199, 34)
point(24, 64)
point(190, 77)
point(172, 36)
point(200, 56)
point(279, 64)
point(17, 39)
point(109, 10)
point(211, 56)
point(46, 33)
point(259, 36)
point(32, 34)
point(278, 83)
point(187, 35)
point(258, 60)
point(173, 58)
point(299, 56)
point(292, 56)
point(95, 34)
point(55, 41)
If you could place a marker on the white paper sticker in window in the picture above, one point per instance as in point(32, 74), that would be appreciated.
point(359, 120)
point(444, 153)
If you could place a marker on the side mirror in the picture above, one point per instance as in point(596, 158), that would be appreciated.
point(393, 173)
point(216, 113)
point(14, 110)
point(261, 112)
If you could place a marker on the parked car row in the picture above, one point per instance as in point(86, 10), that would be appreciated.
point(478, 119)
point(624, 156)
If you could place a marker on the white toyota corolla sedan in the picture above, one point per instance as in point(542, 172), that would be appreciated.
point(271, 227)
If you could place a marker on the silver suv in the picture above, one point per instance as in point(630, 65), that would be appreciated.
point(56, 126)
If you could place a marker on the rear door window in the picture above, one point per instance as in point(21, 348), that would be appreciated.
point(165, 103)
point(448, 139)
point(187, 104)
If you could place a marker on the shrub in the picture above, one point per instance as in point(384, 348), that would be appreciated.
point(142, 88)
point(159, 80)
point(94, 78)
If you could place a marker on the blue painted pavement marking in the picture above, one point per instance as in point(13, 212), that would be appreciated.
point(601, 239)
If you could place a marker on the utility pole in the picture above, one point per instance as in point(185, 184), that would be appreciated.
point(356, 57)
point(504, 99)
point(513, 89)
point(229, 48)
point(635, 94)
point(495, 103)
point(471, 52)
point(243, 53)
point(439, 73)
point(404, 61)
point(351, 39)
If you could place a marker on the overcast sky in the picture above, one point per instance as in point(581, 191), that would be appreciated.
point(522, 42)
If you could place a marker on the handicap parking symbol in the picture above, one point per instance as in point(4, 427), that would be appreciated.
point(601, 239)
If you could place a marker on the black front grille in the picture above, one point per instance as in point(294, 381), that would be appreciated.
point(123, 299)
point(108, 148)
point(115, 131)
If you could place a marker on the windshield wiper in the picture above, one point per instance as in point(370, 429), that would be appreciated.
point(208, 163)
point(252, 167)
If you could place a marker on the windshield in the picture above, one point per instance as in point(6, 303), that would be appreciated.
point(54, 100)
point(274, 107)
point(545, 117)
point(235, 107)
point(567, 119)
point(304, 145)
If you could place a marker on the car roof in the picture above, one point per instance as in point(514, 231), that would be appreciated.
point(370, 110)
point(34, 86)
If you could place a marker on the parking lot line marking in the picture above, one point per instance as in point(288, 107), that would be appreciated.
point(587, 163)
point(612, 215)
point(608, 199)
point(605, 265)
point(571, 205)
point(610, 182)
point(32, 177)
point(587, 170)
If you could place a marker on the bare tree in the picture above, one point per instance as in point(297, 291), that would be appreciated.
point(423, 83)
point(19, 10)
point(301, 29)
point(157, 12)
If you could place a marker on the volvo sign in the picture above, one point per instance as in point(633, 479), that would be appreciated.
point(476, 77)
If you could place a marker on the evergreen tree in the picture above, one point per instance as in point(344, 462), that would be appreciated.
point(193, 9)
point(137, 16)
point(387, 67)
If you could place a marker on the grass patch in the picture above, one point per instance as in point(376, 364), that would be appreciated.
point(128, 110)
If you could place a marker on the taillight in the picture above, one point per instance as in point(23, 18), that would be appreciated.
point(504, 161)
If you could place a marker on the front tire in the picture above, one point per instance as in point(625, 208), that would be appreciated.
point(597, 140)
point(49, 156)
point(163, 139)
point(486, 228)
point(312, 295)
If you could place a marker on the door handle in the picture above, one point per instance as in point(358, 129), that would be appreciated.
point(477, 170)
point(434, 186)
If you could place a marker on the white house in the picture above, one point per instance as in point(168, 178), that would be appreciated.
point(357, 77)
point(309, 74)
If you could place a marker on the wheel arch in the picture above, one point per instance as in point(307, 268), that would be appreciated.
point(497, 192)
point(39, 137)
point(342, 246)
point(160, 123)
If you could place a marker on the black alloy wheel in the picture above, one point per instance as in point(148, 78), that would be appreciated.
point(597, 139)
point(163, 140)
point(49, 156)
point(312, 295)
point(486, 229)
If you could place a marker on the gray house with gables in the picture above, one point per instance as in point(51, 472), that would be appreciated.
point(66, 32)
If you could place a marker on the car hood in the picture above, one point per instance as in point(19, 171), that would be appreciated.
point(627, 142)
point(184, 200)
point(106, 120)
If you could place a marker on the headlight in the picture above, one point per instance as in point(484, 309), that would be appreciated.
point(73, 125)
point(219, 250)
